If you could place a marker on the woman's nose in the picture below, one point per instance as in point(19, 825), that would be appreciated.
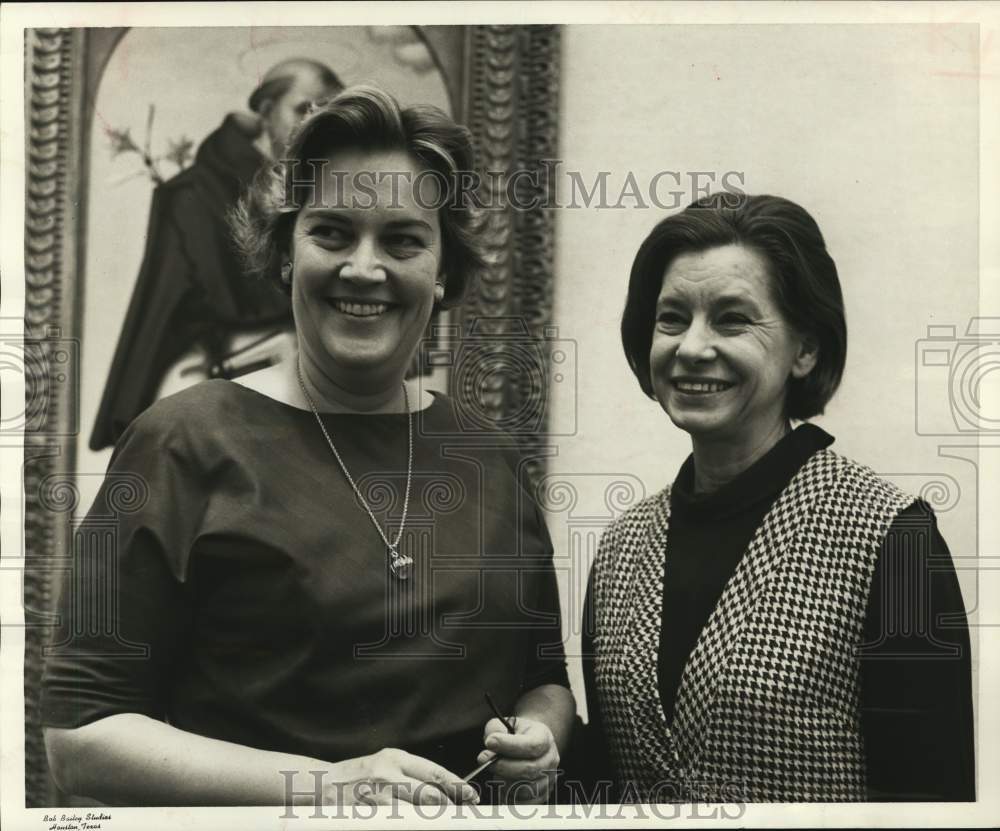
point(697, 343)
point(364, 265)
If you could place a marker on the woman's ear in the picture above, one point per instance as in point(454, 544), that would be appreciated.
point(439, 289)
point(807, 356)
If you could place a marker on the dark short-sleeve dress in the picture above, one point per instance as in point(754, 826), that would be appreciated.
point(228, 581)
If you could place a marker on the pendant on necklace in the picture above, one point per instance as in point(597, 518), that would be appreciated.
point(400, 565)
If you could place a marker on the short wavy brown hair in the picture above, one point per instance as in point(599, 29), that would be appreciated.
point(369, 118)
point(803, 276)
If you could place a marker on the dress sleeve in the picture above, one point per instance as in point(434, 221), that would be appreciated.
point(547, 657)
point(123, 606)
point(916, 681)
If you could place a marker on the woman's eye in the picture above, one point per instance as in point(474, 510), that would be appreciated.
point(404, 244)
point(329, 234)
point(733, 320)
point(671, 321)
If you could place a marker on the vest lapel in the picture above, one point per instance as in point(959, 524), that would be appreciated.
point(709, 662)
point(645, 612)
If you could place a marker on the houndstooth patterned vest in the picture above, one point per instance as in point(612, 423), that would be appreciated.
point(767, 709)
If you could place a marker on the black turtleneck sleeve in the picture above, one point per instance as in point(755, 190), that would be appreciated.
point(916, 673)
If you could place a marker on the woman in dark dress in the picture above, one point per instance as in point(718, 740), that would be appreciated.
point(779, 624)
point(315, 569)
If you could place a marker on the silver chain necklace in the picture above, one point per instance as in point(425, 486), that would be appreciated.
point(399, 564)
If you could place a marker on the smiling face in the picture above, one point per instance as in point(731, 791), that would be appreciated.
point(366, 256)
point(722, 353)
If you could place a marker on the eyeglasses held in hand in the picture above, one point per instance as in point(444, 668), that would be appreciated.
point(510, 724)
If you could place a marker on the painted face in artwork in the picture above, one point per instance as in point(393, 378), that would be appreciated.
point(283, 115)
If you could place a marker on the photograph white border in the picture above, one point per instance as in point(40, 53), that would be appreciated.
point(15, 18)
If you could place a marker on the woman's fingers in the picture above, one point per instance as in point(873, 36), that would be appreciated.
point(518, 769)
point(531, 744)
point(425, 770)
point(520, 789)
point(485, 756)
point(528, 760)
point(494, 725)
point(405, 789)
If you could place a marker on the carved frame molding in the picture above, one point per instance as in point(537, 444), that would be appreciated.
point(512, 96)
point(52, 236)
point(508, 95)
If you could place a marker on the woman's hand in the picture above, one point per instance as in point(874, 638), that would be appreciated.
point(393, 775)
point(529, 758)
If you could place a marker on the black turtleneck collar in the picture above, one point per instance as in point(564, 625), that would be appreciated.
point(708, 534)
point(761, 482)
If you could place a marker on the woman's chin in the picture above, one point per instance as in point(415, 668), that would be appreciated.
point(360, 357)
point(697, 425)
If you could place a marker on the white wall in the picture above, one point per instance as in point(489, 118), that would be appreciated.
point(873, 129)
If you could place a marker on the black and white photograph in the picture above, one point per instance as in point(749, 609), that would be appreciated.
point(499, 414)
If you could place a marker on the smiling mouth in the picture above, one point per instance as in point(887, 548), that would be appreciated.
point(700, 387)
point(361, 310)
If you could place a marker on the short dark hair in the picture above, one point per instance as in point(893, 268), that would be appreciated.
point(803, 277)
point(369, 118)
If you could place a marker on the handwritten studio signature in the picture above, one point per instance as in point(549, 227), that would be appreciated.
point(89, 821)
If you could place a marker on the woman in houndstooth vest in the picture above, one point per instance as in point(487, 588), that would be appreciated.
point(752, 632)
